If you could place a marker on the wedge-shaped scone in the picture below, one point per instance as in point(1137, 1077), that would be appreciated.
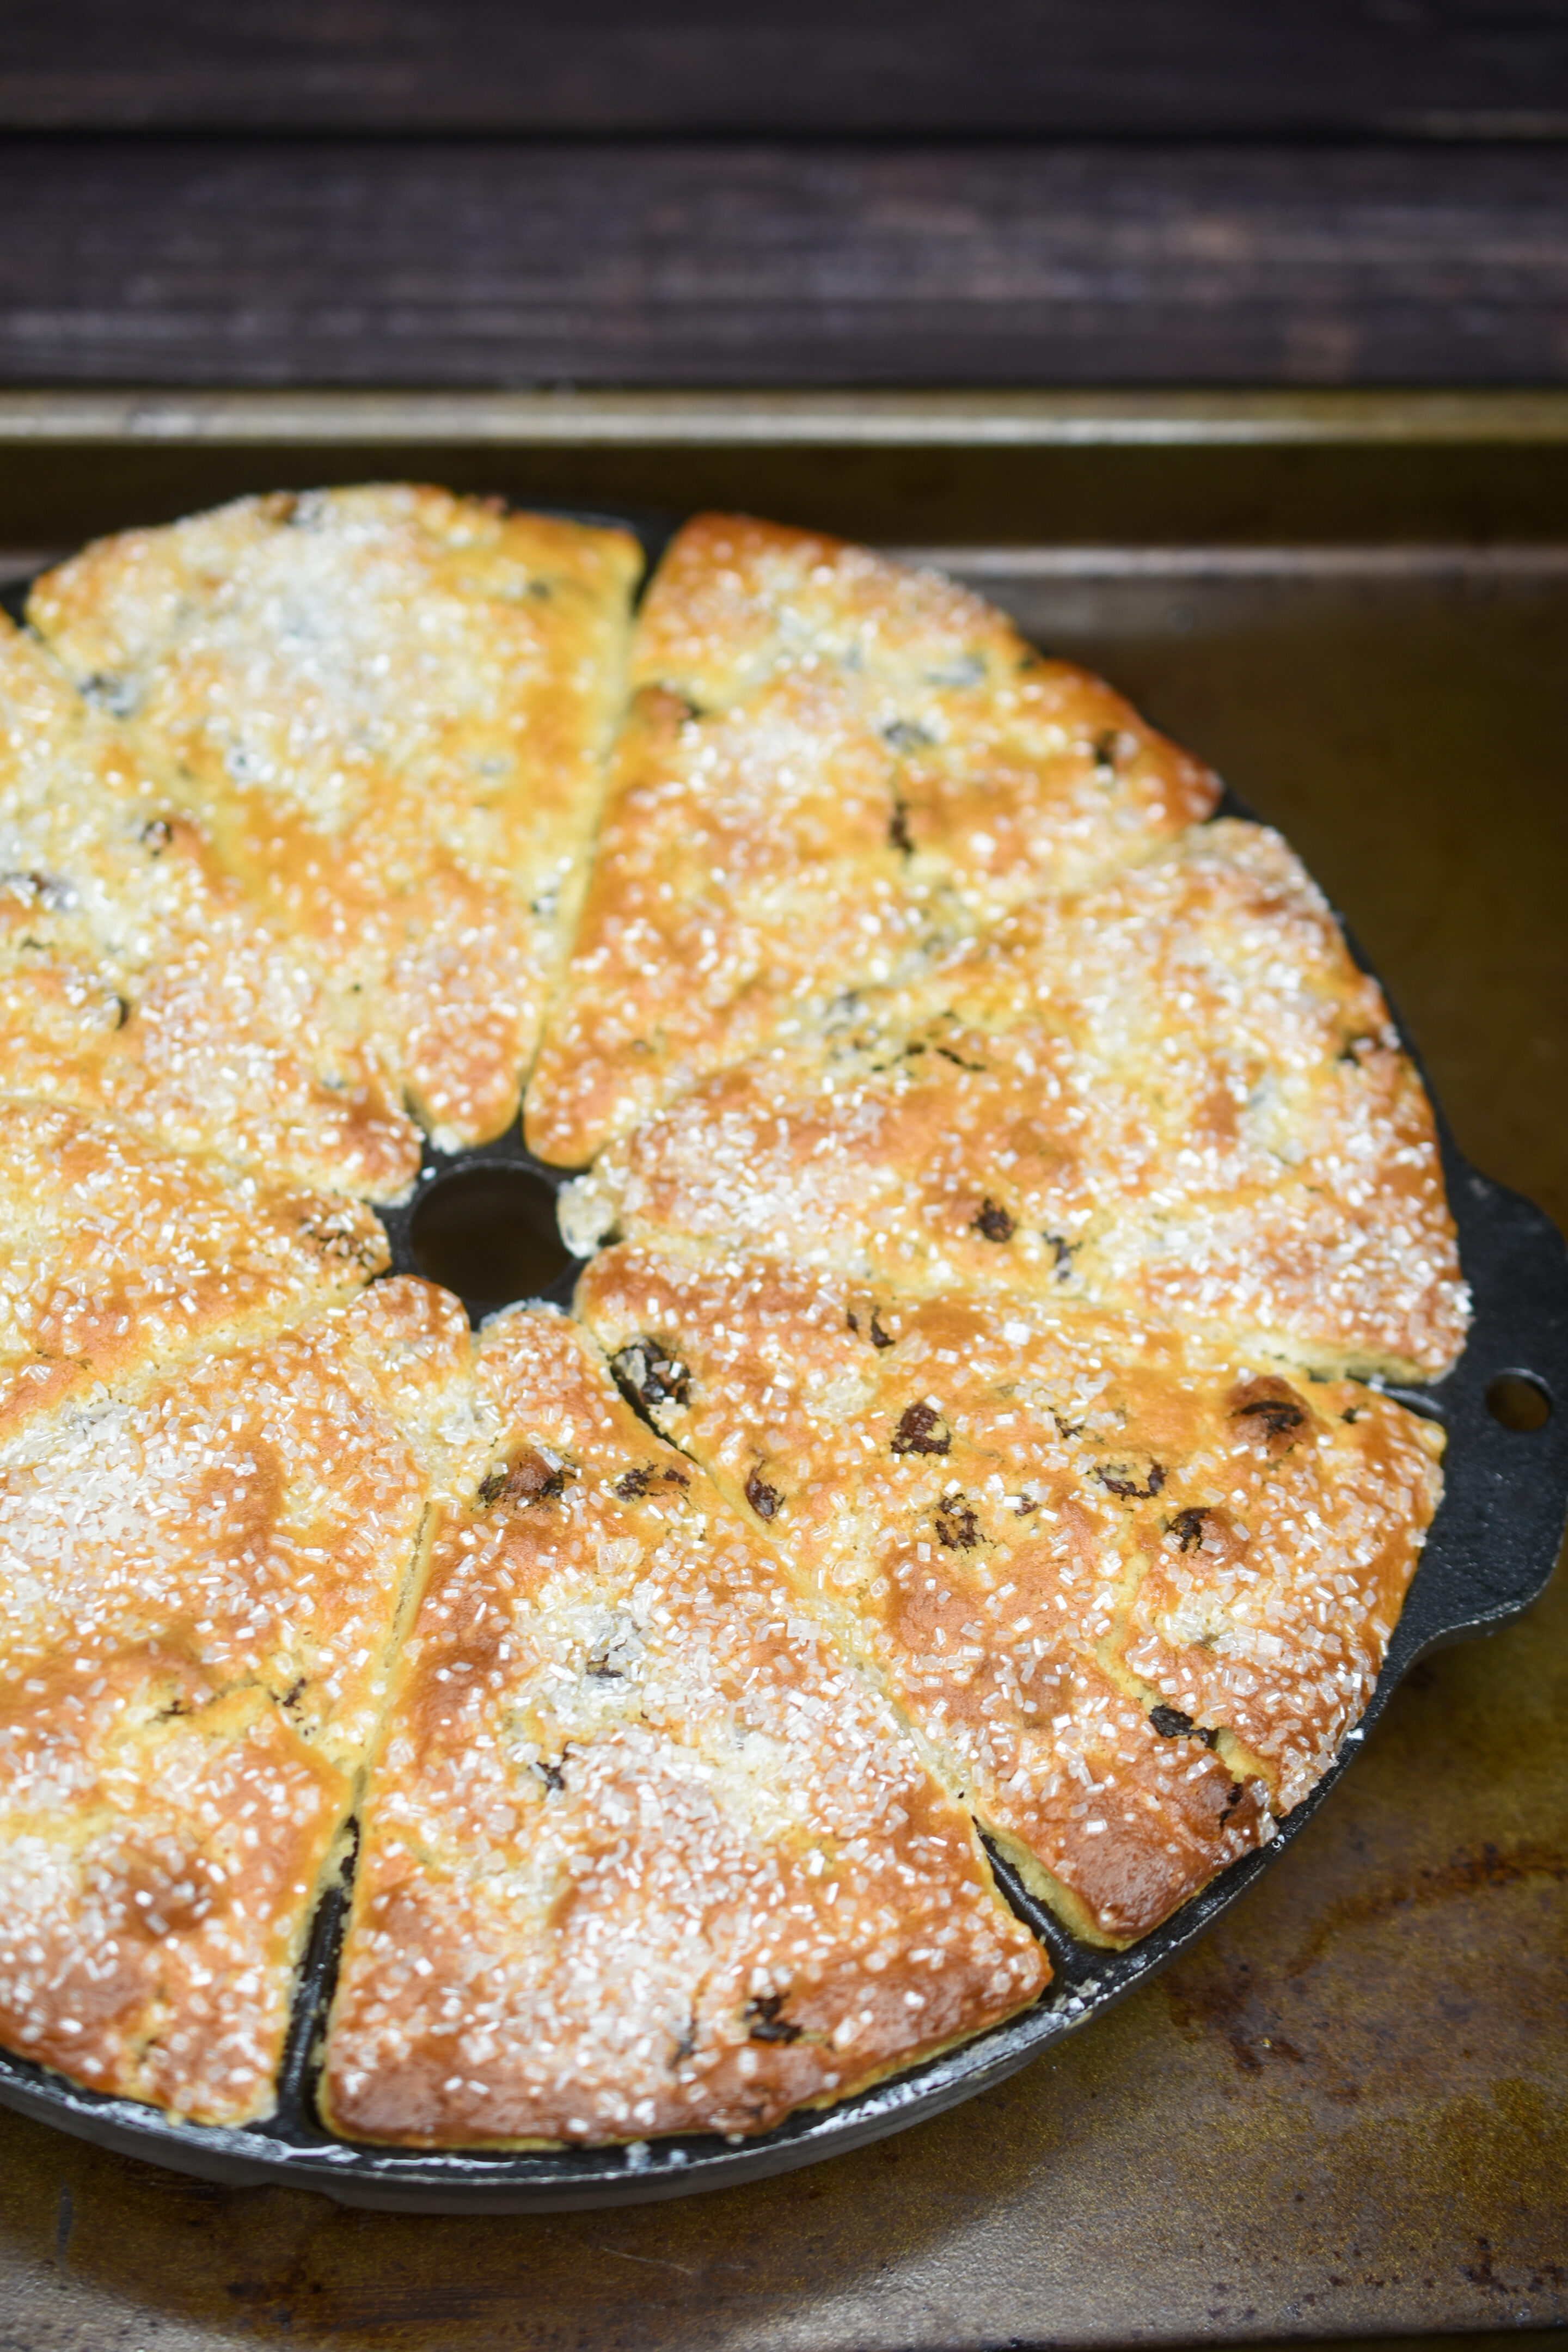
point(1175, 1094)
point(198, 1585)
point(117, 1260)
point(135, 979)
point(641, 1852)
point(1131, 1591)
point(391, 707)
point(835, 767)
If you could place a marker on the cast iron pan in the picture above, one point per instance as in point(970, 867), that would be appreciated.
point(483, 1222)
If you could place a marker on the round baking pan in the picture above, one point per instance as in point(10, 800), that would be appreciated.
point(482, 1221)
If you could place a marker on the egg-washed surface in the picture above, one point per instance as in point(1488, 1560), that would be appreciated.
point(391, 709)
point(117, 1259)
point(1174, 1094)
point(1130, 1588)
point(642, 1851)
point(836, 768)
point(136, 979)
point(1010, 1164)
point(198, 1584)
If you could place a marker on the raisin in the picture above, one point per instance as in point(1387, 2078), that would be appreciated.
point(552, 1775)
point(50, 891)
point(1064, 1255)
point(763, 2022)
point(907, 735)
point(1122, 1481)
point(650, 1376)
point(1276, 1416)
point(1273, 1410)
point(530, 1479)
point(763, 1499)
point(108, 691)
point(1187, 1526)
point(633, 1482)
point(956, 1525)
point(922, 1430)
point(994, 1221)
point(875, 1333)
point(157, 834)
point(1171, 1724)
point(899, 829)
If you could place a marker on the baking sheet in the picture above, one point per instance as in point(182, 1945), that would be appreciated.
point(1341, 2113)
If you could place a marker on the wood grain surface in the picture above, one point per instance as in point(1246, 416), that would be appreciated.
point(449, 262)
point(1047, 69)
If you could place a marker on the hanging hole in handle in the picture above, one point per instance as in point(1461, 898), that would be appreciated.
point(1519, 1401)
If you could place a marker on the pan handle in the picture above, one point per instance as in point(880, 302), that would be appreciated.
point(1497, 1536)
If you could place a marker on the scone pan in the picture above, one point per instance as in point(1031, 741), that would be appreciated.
point(1491, 1551)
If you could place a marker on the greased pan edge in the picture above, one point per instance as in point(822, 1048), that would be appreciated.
point(1490, 1553)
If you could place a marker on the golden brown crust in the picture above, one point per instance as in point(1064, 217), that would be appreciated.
point(1009, 1160)
point(642, 1854)
point(117, 1258)
point(390, 706)
point(136, 980)
point(1015, 1512)
point(199, 1583)
point(1175, 1094)
point(837, 767)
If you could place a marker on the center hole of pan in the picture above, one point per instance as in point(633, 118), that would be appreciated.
point(489, 1234)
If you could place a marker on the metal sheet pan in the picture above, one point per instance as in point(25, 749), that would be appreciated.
point(1119, 604)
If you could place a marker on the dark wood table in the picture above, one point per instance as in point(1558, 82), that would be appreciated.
point(831, 192)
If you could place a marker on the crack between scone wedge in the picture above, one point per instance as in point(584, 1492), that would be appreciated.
point(643, 1854)
point(1173, 1094)
point(204, 1577)
point(990, 1499)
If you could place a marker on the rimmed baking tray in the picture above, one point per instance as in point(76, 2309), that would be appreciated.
point(1490, 1552)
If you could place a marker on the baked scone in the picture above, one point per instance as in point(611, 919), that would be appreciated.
point(1175, 1094)
point(1130, 1589)
point(136, 979)
point(642, 1851)
point(835, 767)
point(1001, 1169)
point(117, 1259)
point(199, 1580)
point(390, 708)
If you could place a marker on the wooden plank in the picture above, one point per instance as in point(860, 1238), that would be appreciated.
point(474, 263)
point(1061, 68)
